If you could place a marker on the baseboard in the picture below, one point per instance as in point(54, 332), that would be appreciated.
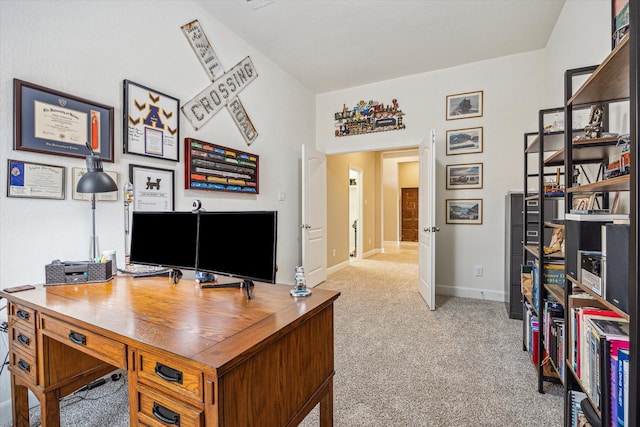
point(372, 252)
point(338, 267)
point(5, 413)
point(483, 294)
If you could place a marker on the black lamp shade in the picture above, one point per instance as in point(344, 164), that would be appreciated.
point(95, 180)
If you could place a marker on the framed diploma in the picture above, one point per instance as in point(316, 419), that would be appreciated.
point(151, 122)
point(52, 122)
point(77, 173)
point(35, 180)
point(153, 188)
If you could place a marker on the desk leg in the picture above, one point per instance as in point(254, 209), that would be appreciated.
point(50, 409)
point(326, 406)
point(20, 405)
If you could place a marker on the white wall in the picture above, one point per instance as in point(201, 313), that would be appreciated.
point(87, 48)
point(512, 97)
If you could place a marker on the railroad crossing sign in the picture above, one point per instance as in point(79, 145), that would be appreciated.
point(224, 88)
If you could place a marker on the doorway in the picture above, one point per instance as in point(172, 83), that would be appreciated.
point(409, 232)
point(355, 212)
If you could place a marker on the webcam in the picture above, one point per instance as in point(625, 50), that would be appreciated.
point(196, 205)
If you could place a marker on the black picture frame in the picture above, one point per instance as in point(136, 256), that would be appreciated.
point(53, 122)
point(151, 122)
point(150, 192)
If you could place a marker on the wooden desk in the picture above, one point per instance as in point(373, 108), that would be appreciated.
point(194, 356)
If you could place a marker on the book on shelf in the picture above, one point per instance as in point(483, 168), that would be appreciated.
point(623, 387)
point(589, 211)
point(608, 217)
point(577, 415)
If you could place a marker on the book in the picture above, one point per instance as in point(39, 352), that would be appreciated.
point(623, 387)
point(575, 397)
point(596, 217)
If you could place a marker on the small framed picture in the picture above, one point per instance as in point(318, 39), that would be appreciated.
point(153, 188)
point(77, 173)
point(35, 180)
point(464, 176)
point(151, 122)
point(464, 211)
point(464, 105)
point(464, 141)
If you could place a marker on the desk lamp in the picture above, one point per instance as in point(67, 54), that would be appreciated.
point(95, 181)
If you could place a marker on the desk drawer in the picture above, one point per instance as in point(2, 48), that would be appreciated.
point(171, 374)
point(20, 315)
point(23, 338)
point(157, 410)
point(96, 345)
point(23, 364)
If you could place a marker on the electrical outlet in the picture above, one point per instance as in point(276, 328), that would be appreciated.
point(477, 271)
point(334, 252)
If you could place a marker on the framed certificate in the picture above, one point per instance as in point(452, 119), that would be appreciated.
point(151, 122)
point(52, 122)
point(153, 188)
point(77, 173)
point(35, 180)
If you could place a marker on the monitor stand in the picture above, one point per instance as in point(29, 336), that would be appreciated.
point(245, 284)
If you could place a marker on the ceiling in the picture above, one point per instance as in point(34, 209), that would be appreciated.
point(334, 44)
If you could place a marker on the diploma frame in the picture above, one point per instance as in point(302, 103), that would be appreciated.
point(153, 188)
point(35, 180)
point(151, 124)
point(52, 122)
point(77, 173)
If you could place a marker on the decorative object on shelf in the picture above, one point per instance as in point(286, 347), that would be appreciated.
point(464, 105)
point(151, 122)
point(78, 173)
point(52, 122)
point(369, 117)
point(95, 180)
point(620, 163)
point(594, 128)
point(554, 187)
point(464, 211)
point(153, 188)
point(583, 202)
point(464, 176)
point(35, 180)
point(556, 243)
point(224, 88)
point(214, 167)
point(619, 20)
point(464, 141)
point(300, 287)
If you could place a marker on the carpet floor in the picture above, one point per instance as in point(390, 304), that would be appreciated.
point(398, 363)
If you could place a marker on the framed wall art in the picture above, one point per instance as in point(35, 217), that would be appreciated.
point(464, 211)
point(464, 141)
point(216, 168)
point(77, 173)
point(53, 122)
point(153, 188)
point(151, 122)
point(35, 180)
point(464, 176)
point(464, 105)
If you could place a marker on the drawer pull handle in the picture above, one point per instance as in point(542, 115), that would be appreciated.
point(77, 338)
point(168, 374)
point(165, 415)
point(24, 340)
point(24, 366)
point(22, 314)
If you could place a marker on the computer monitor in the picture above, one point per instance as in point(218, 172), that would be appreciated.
point(165, 239)
point(239, 244)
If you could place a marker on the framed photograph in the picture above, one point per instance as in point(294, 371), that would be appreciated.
point(464, 141)
point(77, 173)
point(153, 188)
point(464, 105)
point(52, 122)
point(151, 122)
point(35, 180)
point(464, 211)
point(213, 167)
point(464, 176)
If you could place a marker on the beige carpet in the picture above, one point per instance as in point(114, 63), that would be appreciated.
point(400, 364)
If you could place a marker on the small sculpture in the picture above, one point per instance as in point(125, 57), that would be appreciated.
point(300, 287)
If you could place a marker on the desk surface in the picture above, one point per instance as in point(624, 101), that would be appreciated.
point(209, 326)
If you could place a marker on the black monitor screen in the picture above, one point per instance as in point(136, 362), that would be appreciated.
point(239, 244)
point(166, 239)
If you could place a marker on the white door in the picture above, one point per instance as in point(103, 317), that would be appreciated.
point(314, 215)
point(427, 221)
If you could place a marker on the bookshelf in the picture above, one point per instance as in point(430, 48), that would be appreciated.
point(590, 374)
point(542, 183)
